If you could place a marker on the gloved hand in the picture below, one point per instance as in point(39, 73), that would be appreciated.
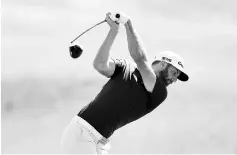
point(119, 17)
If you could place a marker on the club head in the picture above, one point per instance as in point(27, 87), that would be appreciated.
point(75, 51)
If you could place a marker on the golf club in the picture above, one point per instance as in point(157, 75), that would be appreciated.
point(76, 50)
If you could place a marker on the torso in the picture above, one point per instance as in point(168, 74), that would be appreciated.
point(123, 99)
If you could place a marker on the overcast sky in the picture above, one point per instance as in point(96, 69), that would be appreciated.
point(36, 34)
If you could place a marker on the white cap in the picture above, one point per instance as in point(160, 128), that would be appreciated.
point(175, 60)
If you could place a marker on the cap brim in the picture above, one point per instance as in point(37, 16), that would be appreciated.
point(183, 77)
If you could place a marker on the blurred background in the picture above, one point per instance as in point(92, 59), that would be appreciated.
point(42, 87)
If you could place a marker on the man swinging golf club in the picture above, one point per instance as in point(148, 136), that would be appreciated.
point(134, 89)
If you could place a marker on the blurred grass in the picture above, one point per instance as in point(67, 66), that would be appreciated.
point(36, 110)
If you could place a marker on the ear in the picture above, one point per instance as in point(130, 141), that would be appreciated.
point(163, 65)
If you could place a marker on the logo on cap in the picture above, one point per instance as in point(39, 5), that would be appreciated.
point(180, 64)
point(167, 59)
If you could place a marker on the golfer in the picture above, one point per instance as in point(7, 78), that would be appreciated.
point(134, 89)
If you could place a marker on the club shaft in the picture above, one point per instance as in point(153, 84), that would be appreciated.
point(88, 30)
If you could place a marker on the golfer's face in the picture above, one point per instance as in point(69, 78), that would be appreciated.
point(172, 74)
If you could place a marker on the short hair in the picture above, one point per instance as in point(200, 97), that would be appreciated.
point(156, 62)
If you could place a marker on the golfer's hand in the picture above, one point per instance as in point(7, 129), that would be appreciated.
point(119, 17)
point(113, 24)
point(123, 19)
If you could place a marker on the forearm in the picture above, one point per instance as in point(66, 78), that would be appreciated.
point(102, 55)
point(136, 49)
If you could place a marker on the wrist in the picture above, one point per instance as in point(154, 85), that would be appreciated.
point(113, 30)
point(128, 23)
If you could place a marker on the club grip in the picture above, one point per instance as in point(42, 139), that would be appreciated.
point(119, 18)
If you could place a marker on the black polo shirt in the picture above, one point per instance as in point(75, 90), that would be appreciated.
point(123, 99)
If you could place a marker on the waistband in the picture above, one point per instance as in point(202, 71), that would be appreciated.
point(91, 129)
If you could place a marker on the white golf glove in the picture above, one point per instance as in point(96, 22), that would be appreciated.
point(119, 17)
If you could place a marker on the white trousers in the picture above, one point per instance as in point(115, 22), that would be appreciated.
point(80, 137)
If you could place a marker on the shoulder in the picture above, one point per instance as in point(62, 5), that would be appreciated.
point(160, 90)
point(158, 95)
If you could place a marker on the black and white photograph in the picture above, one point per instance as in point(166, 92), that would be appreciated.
point(118, 77)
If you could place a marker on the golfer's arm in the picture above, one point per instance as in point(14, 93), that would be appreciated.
point(139, 55)
point(102, 63)
point(136, 49)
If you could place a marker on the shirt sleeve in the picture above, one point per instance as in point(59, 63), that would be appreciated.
point(122, 67)
point(158, 95)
